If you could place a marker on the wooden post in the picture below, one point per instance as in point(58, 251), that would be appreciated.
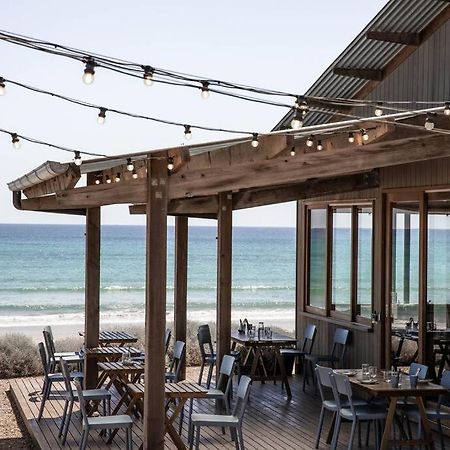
point(155, 313)
point(224, 258)
point(92, 293)
point(180, 282)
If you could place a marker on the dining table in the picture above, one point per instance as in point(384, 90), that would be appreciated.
point(111, 353)
point(119, 338)
point(378, 387)
point(256, 347)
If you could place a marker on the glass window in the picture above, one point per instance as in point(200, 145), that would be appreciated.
point(317, 273)
point(364, 262)
point(341, 265)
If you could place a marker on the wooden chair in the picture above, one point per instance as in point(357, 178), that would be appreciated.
point(232, 421)
point(102, 422)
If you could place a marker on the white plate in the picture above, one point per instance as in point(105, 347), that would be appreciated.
point(349, 373)
point(368, 381)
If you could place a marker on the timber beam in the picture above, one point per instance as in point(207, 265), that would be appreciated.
point(395, 37)
point(360, 72)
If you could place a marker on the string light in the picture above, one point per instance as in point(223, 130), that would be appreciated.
point(205, 90)
point(2, 86)
point(310, 141)
point(108, 179)
point(130, 165)
point(187, 132)
point(378, 110)
point(101, 118)
point(297, 121)
point(447, 109)
point(117, 179)
point(89, 72)
point(15, 141)
point(148, 75)
point(351, 137)
point(364, 135)
point(429, 123)
point(134, 175)
point(170, 164)
point(98, 179)
point(77, 158)
point(293, 151)
point(319, 145)
point(255, 141)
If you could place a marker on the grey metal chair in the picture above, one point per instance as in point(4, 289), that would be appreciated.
point(334, 358)
point(102, 422)
point(173, 375)
point(90, 395)
point(50, 378)
point(71, 358)
point(232, 421)
point(352, 412)
point(222, 390)
point(207, 353)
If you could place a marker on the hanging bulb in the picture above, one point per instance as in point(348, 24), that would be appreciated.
point(98, 179)
point(108, 179)
point(187, 132)
point(130, 165)
point(319, 145)
point(170, 164)
point(297, 121)
point(117, 179)
point(89, 72)
point(15, 141)
point(205, 90)
point(148, 75)
point(364, 135)
point(351, 137)
point(429, 123)
point(77, 158)
point(293, 151)
point(378, 110)
point(255, 141)
point(2, 86)
point(135, 175)
point(101, 116)
point(446, 109)
point(310, 141)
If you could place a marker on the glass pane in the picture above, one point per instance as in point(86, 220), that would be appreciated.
point(317, 257)
point(364, 286)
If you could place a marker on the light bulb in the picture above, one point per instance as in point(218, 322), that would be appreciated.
point(319, 145)
point(293, 151)
point(378, 110)
point(364, 135)
point(429, 123)
point(97, 180)
point(89, 72)
point(310, 141)
point(187, 132)
point(117, 179)
point(130, 165)
point(77, 158)
point(101, 118)
point(148, 75)
point(16, 141)
point(2, 87)
point(205, 90)
point(135, 175)
point(446, 109)
point(297, 121)
point(255, 141)
point(108, 179)
point(170, 164)
point(351, 138)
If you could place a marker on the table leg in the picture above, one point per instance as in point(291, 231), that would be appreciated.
point(425, 423)
point(284, 377)
point(389, 422)
point(256, 357)
point(176, 438)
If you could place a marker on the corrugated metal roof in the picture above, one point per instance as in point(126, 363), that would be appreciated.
point(409, 16)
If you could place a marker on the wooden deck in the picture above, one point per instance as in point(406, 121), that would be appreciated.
point(271, 422)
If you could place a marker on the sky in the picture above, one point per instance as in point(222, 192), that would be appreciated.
point(284, 46)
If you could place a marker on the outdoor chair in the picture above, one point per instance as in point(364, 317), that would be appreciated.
point(309, 337)
point(70, 358)
point(335, 358)
point(355, 413)
point(102, 422)
point(323, 375)
point(232, 421)
point(222, 390)
point(173, 375)
point(58, 355)
point(50, 378)
point(208, 355)
point(90, 395)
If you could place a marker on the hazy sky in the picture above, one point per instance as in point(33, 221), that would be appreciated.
point(282, 45)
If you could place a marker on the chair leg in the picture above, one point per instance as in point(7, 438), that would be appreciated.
point(352, 435)
point(200, 376)
point(129, 439)
point(337, 428)
point(197, 438)
point(84, 439)
point(180, 426)
point(61, 428)
point(191, 434)
point(235, 438)
point(210, 372)
point(368, 433)
point(319, 429)
point(359, 435)
point(190, 427)
point(67, 422)
point(45, 395)
point(441, 435)
point(241, 438)
point(305, 375)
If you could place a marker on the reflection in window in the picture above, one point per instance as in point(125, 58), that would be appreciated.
point(341, 266)
point(317, 273)
point(364, 263)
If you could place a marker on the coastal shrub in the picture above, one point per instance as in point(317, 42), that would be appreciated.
point(18, 356)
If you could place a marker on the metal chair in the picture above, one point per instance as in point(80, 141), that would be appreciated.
point(71, 358)
point(94, 395)
point(353, 412)
point(232, 421)
point(50, 378)
point(208, 355)
point(173, 375)
point(336, 355)
point(309, 337)
point(102, 422)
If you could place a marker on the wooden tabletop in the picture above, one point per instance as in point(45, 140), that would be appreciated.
point(115, 337)
point(112, 350)
point(119, 368)
point(277, 339)
point(182, 389)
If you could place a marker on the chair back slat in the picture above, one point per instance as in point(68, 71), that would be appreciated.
point(323, 376)
point(242, 395)
point(49, 345)
point(82, 402)
point(420, 369)
point(66, 375)
point(340, 344)
point(341, 387)
point(44, 358)
point(177, 361)
point(309, 338)
point(226, 374)
point(205, 340)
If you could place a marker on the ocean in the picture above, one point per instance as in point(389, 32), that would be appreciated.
point(42, 274)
